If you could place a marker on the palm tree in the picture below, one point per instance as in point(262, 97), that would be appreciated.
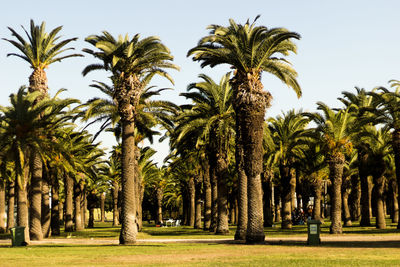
point(132, 62)
point(208, 123)
point(40, 50)
point(334, 130)
point(379, 162)
point(360, 103)
point(22, 130)
point(250, 50)
point(290, 139)
point(387, 113)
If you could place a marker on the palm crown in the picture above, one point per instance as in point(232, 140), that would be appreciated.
point(250, 50)
point(42, 48)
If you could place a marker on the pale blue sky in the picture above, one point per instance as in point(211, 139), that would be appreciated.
point(344, 43)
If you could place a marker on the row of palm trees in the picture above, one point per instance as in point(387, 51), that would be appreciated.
point(221, 145)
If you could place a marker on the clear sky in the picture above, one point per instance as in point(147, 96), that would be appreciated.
point(344, 43)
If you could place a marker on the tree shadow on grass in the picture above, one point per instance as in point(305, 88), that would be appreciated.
point(341, 244)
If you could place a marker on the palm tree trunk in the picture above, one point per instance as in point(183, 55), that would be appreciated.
point(336, 164)
point(69, 189)
point(395, 214)
point(241, 229)
point(346, 210)
point(115, 203)
point(22, 206)
point(222, 169)
point(2, 206)
point(77, 203)
point(191, 190)
point(277, 201)
point(129, 226)
point(207, 196)
point(55, 208)
point(268, 207)
point(46, 217)
point(83, 204)
point(293, 200)
point(378, 171)
point(318, 198)
point(286, 197)
point(35, 210)
point(345, 197)
point(197, 223)
point(380, 213)
point(102, 210)
point(354, 198)
point(159, 196)
point(214, 197)
point(250, 103)
point(10, 204)
point(139, 194)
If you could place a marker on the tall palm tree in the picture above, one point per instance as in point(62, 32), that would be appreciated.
point(290, 139)
point(334, 130)
point(22, 130)
point(380, 157)
point(250, 50)
point(40, 50)
point(132, 63)
point(360, 103)
point(387, 113)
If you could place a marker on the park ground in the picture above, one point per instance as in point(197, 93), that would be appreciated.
point(184, 246)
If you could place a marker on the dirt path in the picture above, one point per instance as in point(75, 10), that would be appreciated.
point(325, 239)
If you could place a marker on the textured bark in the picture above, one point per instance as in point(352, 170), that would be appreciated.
point(250, 103)
point(365, 196)
point(83, 204)
point(293, 199)
point(35, 208)
point(159, 196)
point(115, 203)
point(46, 216)
point(242, 189)
point(127, 96)
point(214, 197)
point(345, 197)
point(69, 192)
point(222, 171)
point(102, 209)
point(92, 200)
point(286, 214)
point(318, 198)
point(2, 206)
point(354, 198)
point(379, 180)
point(55, 208)
point(336, 163)
point(10, 204)
point(277, 201)
point(191, 189)
point(207, 196)
point(268, 195)
point(22, 206)
point(197, 222)
point(91, 218)
point(77, 203)
point(38, 82)
point(395, 212)
point(396, 150)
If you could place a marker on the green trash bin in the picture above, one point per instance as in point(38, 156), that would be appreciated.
point(18, 236)
point(314, 230)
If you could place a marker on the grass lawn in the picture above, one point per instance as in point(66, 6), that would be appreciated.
point(207, 254)
point(178, 254)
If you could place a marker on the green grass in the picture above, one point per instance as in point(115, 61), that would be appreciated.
point(337, 253)
point(178, 254)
